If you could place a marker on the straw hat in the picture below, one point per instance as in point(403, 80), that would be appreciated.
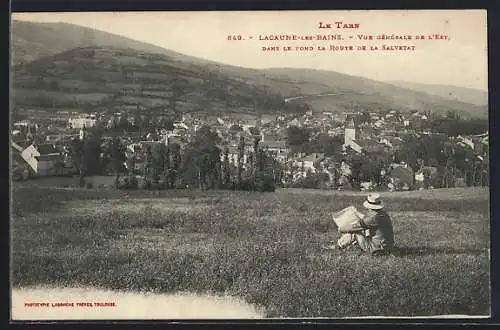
point(373, 202)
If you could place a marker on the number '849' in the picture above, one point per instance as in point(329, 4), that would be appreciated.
point(234, 37)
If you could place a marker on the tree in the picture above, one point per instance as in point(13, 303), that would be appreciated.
point(166, 124)
point(297, 137)
point(369, 171)
point(159, 153)
point(138, 121)
point(365, 117)
point(76, 154)
point(448, 179)
point(174, 151)
point(277, 170)
point(313, 180)
point(113, 123)
point(117, 158)
point(91, 155)
point(323, 143)
point(356, 162)
point(201, 164)
point(123, 124)
point(411, 152)
point(241, 154)
point(259, 166)
point(226, 169)
point(97, 130)
point(454, 126)
point(235, 128)
point(131, 179)
point(256, 148)
point(145, 123)
point(148, 167)
point(167, 182)
point(254, 130)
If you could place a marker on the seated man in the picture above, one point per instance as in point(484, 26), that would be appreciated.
point(377, 236)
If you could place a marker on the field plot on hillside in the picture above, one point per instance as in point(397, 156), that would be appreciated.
point(262, 248)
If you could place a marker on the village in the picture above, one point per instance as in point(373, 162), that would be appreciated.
point(358, 150)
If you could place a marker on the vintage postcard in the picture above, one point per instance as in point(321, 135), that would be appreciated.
point(249, 165)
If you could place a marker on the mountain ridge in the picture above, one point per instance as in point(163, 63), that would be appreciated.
point(460, 93)
point(43, 44)
point(74, 36)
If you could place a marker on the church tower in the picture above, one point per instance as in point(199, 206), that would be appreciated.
point(350, 130)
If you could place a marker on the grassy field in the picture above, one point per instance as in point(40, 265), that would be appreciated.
point(263, 248)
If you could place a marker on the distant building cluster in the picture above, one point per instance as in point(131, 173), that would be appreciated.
point(363, 134)
point(87, 121)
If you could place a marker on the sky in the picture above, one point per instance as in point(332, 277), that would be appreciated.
point(460, 60)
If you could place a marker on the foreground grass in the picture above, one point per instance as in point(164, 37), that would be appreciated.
point(261, 247)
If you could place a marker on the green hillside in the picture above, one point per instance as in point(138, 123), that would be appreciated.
point(361, 93)
point(65, 66)
point(468, 95)
point(117, 79)
point(31, 41)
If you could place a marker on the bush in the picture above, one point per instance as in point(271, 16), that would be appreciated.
point(128, 183)
point(252, 184)
point(89, 185)
point(145, 183)
point(156, 186)
point(247, 185)
point(268, 185)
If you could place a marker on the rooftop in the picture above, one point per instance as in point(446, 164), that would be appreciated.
point(313, 157)
point(46, 149)
point(22, 143)
point(274, 144)
point(368, 143)
point(48, 157)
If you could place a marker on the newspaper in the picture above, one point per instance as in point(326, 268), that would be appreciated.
point(348, 219)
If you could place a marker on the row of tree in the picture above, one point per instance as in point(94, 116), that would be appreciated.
point(456, 126)
point(201, 163)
